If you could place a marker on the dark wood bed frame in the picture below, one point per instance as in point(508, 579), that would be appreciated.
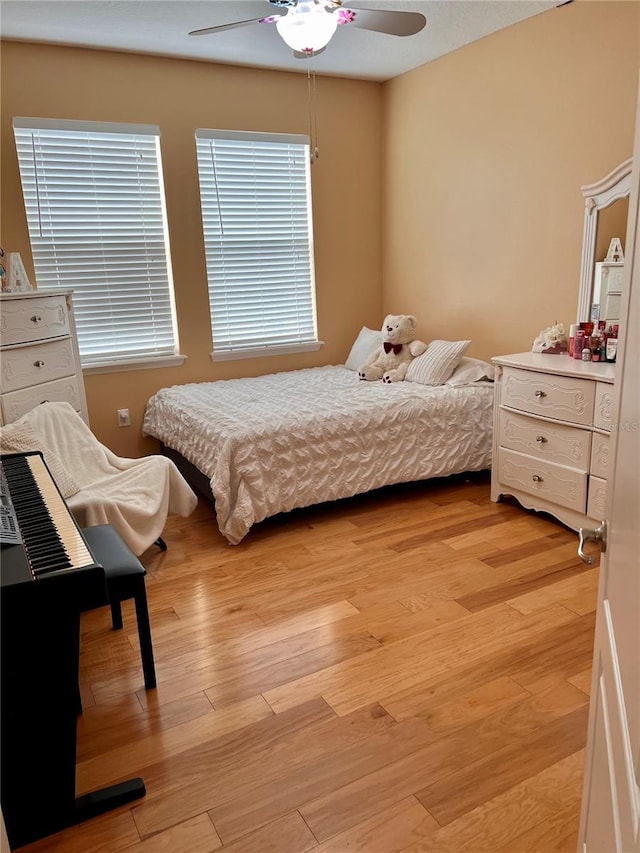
point(196, 479)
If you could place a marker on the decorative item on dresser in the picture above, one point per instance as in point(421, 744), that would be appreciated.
point(552, 419)
point(40, 358)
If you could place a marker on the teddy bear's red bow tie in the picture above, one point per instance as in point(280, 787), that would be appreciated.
point(395, 347)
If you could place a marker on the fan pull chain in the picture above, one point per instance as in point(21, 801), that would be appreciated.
point(316, 152)
point(313, 110)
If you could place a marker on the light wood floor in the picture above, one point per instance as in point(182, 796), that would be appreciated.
point(405, 671)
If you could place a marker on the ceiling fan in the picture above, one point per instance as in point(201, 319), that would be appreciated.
point(307, 26)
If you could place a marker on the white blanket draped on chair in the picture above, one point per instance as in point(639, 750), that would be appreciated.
point(134, 495)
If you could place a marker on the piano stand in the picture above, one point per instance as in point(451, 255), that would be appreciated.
point(48, 578)
point(38, 739)
point(86, 807)
point(98, 802)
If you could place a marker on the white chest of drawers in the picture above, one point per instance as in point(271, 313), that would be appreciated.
point(552, 420)
point(39, 353)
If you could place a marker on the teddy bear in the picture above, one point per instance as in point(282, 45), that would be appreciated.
point(399, 347)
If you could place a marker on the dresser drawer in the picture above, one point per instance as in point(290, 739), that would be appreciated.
point(546, 480)
point(25, 366)
point(34, 319)
point(17, 403)
point(605, 405)
point(600, 461)
point(560, 397)
point(597, 498)
point(564, 445)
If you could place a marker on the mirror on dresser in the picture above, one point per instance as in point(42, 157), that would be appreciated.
point(606, 205)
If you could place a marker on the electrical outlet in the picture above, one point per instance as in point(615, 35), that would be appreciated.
point(123, 417)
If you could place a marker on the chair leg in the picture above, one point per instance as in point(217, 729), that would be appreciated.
point(116, 614)
point(161, 543)
point(144, 634)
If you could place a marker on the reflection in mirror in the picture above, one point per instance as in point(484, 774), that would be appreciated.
point(605, 218)
point(607, 281)
point(612, 222)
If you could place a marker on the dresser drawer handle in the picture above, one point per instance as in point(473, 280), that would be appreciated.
point(541, 439)
point(36, 318)
point(540, 394)
point(537, 478)
point(38, 363)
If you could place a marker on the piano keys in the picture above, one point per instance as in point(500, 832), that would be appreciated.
point(48, 576)
point(49, 536)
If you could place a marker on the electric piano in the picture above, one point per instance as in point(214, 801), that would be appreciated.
point(48, 576)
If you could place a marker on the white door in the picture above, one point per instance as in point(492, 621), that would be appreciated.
point(610, 821)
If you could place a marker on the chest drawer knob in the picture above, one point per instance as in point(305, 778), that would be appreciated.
point(540, 394)
point(36, 318)
point(541, 439)
point(38, 363)
point(537, 478)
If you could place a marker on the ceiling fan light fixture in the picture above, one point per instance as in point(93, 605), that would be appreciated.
point(307, 27)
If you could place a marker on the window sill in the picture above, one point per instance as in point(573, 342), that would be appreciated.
point(262, 352)
point(135, 364)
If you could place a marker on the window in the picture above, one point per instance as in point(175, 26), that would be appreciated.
point(255, 191)
point(97, 221)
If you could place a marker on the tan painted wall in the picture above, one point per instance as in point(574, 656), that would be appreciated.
point(180, 96)
point(485, 151)
point(479, 157)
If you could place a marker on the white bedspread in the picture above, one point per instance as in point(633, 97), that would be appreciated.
point(297, 438)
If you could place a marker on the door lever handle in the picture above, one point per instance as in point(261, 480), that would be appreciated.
point(592, 534)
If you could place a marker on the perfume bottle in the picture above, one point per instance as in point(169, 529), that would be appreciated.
point(573, 328)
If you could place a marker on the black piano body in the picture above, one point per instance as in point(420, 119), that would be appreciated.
point(41, 599)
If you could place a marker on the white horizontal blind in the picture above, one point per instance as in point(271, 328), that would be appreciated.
point(96, 214)
point(255, 192)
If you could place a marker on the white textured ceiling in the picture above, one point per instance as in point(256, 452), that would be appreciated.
point(162, 27)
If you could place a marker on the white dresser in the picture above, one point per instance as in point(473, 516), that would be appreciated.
point(553, 415)
point(39, 353)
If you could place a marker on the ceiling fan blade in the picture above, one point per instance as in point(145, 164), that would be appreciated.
point(270, 19)
point(383, 21)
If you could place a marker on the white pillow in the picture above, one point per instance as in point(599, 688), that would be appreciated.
point(21, 438)
point(437, 363)
point(364, 346)
point(471, 370)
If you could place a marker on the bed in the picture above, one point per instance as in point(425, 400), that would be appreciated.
point(274, 443)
